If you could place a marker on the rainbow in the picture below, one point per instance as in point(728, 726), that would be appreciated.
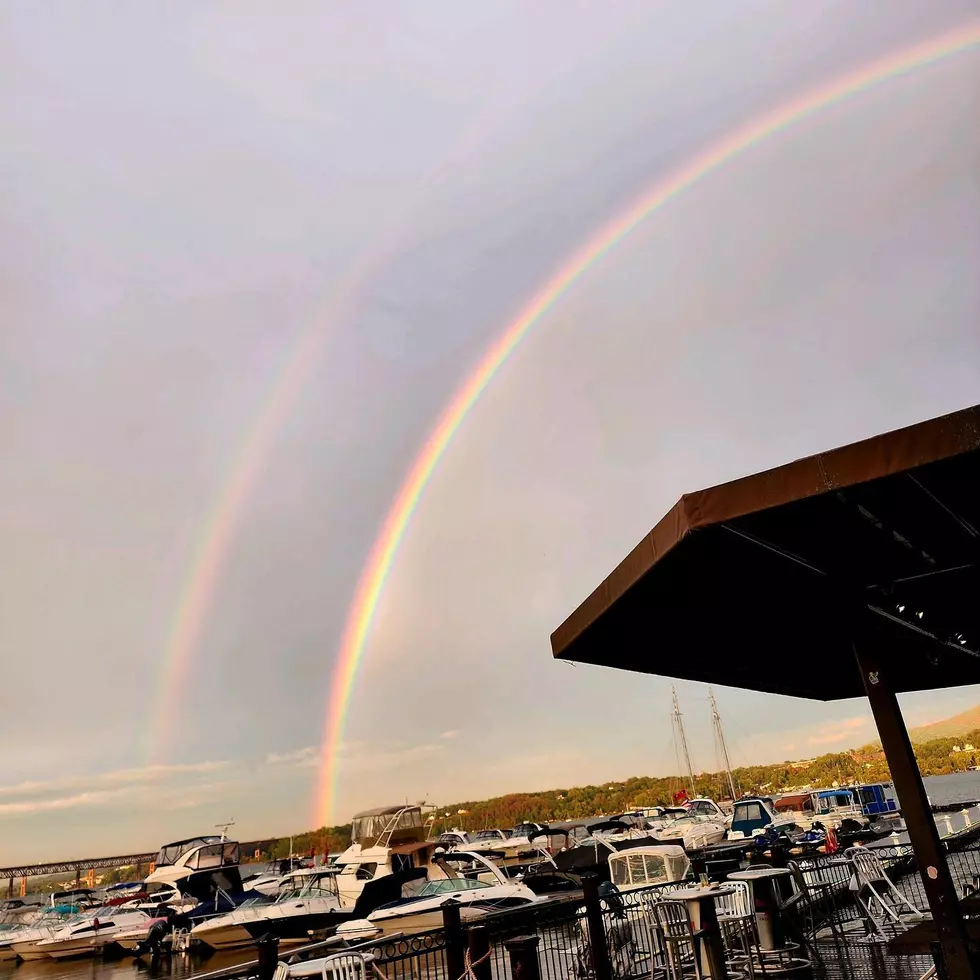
point(732, 145)
point(248, 462)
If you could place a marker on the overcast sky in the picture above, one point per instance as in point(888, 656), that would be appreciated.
point(190, 192)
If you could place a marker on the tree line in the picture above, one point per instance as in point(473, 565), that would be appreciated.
point(936, 757)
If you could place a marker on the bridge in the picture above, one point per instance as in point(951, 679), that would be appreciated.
point(78, 865)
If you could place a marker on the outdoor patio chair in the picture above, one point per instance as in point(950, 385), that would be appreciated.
point(875, 892)
point(681, 941)
point(344, 966)
point(736, 917)
point(810, 899)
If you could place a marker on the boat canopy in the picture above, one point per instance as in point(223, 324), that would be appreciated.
point(401, 823)
point(171, 853)
point(638, 867)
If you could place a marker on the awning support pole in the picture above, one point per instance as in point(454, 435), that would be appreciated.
point(916, 811)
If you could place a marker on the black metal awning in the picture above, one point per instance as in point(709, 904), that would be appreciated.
point(754, 583)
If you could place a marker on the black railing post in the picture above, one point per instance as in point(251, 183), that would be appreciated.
point(455, 950)
point(523, 952)
point(479, 947)
point(876, 664)
point(268, 956)
point(597, 932)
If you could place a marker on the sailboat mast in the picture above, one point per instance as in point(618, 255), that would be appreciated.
point(682, 742)
point(720, 735)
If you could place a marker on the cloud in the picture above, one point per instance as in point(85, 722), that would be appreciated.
point(836, 732)
point(362, 757)
point(309, 755)
point(452, 733)
point(98, 798)
point(113, 777)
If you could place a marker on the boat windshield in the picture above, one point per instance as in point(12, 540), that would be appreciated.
point(489, 835)
point(443, 886)
point(323, 886)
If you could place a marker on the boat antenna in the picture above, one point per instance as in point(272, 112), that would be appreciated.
point(722, 744)
point(223, 827)
point(678, 723)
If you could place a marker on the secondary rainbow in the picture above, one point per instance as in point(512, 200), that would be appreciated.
point(385, 549)
point(249, 461)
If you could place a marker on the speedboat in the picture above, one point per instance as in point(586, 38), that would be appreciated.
point(22, 942)
point(90, 932)
point(266, 883)
point(695, 831)
point(17, 912)
point(466, 877)
point(297, 912)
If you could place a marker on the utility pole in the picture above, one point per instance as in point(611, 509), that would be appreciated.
point(720, 737)
point(681, 738)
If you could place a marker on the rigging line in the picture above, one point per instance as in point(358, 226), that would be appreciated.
point(782, 552)
point(963, 523)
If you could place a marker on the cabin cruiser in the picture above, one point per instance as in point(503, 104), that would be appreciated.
point(384, 841)
point(466, 877)
point(87, 933)
point(641, 867)
point(308, 901)
point(198, 866)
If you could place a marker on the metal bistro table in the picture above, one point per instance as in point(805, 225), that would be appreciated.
point(770, 886)
point(700, 904)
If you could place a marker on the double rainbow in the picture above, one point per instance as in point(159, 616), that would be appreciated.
point(385, 549)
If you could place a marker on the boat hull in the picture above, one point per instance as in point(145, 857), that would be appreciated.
point(67, 948)
point(291, 929)
point(29, 951)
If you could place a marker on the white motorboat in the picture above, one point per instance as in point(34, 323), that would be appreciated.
point(384, 841)
point(297, 913)
point(266, 884)
point(466, 877)
point(17, 912)
point(695, 831)
point(89, 933)
point(22, 942)
point(197, 866)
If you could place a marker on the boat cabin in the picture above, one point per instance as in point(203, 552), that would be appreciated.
point(641, 867)
point(875, 799)
point(836, 805)
point(751, 815)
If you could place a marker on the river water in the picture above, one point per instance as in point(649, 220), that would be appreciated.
point(942, 790)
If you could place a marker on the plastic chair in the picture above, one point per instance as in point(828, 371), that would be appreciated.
point(344, 966)
point(282, 971)
point(875, 890)
point(681, 945)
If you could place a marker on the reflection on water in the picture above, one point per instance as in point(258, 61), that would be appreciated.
point(182, 965)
